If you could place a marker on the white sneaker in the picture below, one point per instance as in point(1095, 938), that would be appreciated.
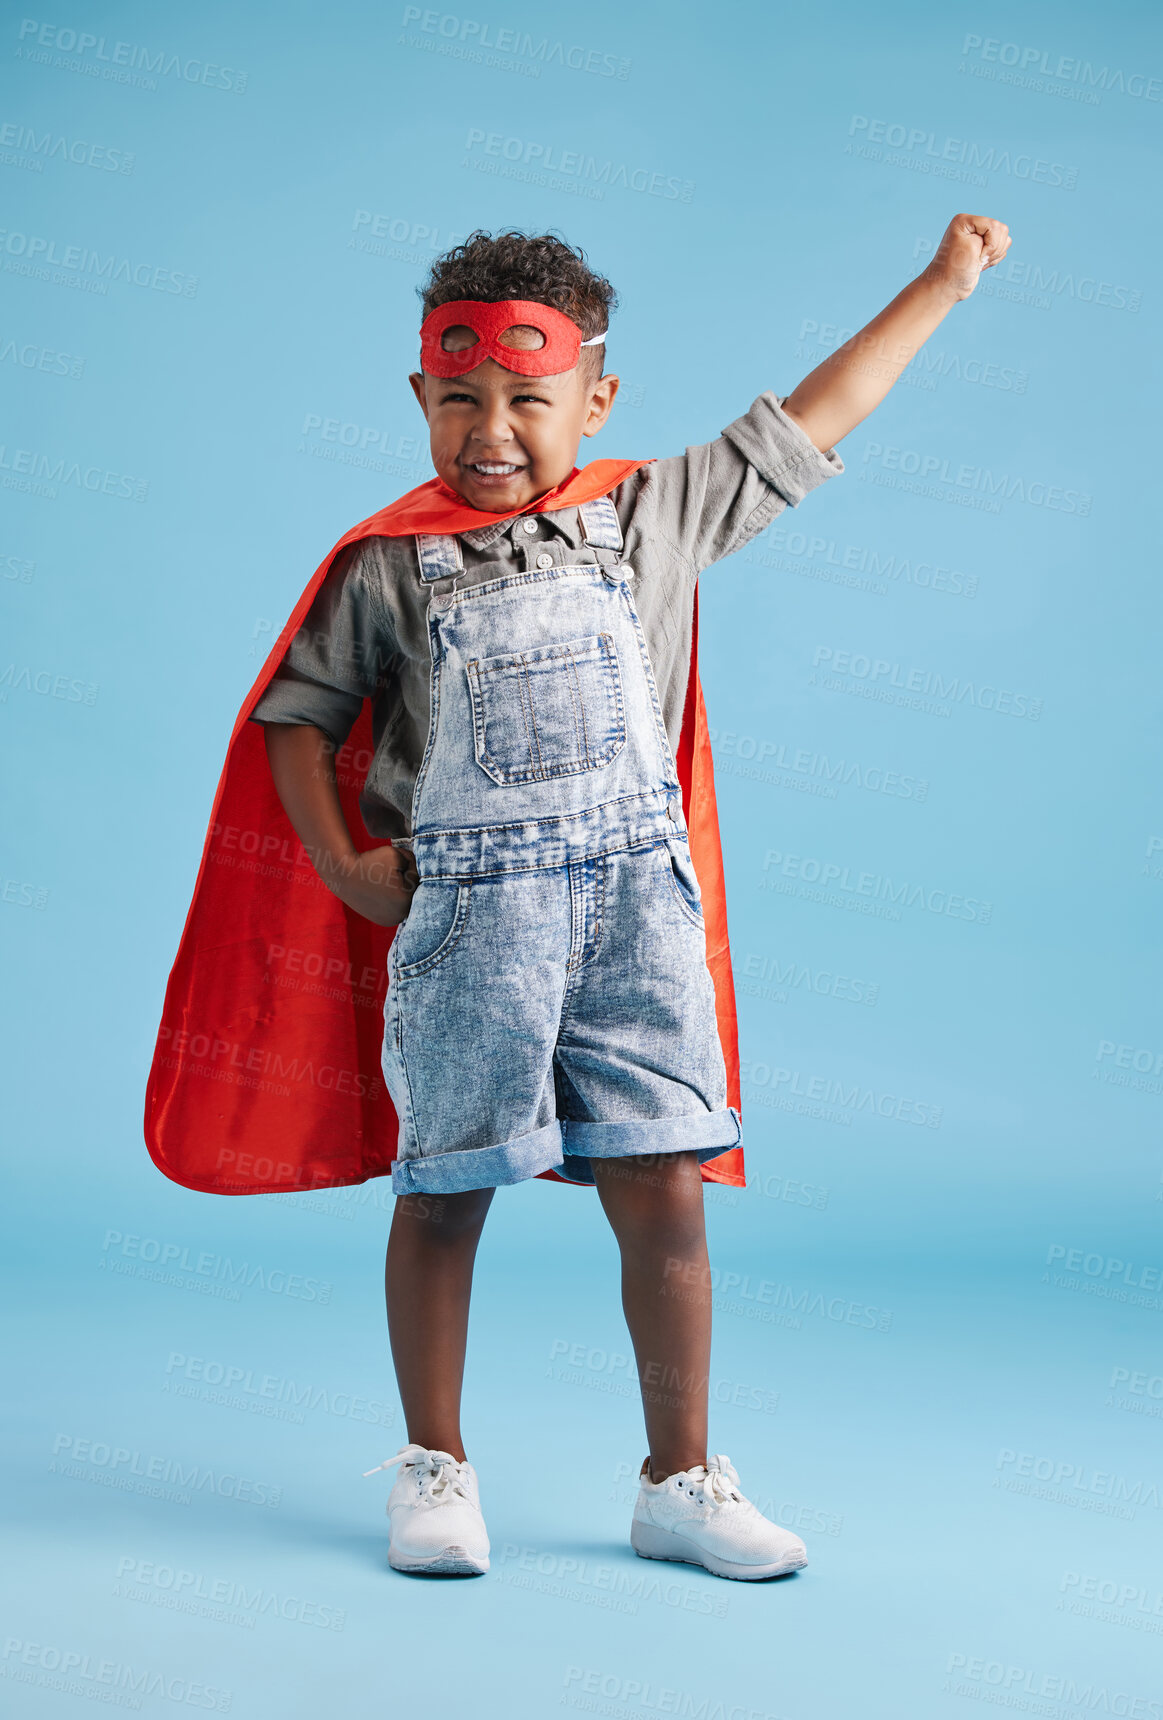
point(435, 1513)
point(700, 1517)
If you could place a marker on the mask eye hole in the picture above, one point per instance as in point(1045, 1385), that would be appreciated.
point(458, 338)
point(522, 337)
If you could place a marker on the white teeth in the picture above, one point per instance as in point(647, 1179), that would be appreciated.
point(491, 471)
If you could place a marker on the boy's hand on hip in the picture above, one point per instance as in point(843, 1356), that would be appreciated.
point(971, 243)
point(378, 884)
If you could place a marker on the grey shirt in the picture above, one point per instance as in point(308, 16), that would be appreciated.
point(366, 633)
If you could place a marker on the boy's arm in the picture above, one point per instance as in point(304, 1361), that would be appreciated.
point(853, 380)
point(378, 883)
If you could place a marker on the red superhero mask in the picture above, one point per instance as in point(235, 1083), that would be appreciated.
point(563, 341)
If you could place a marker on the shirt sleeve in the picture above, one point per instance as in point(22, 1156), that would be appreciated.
point(339, 657)
point(711, 500)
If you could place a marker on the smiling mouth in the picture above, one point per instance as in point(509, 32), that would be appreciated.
point(495, 470)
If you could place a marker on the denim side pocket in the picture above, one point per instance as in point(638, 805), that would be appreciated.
point(433, 928)
point(684, 885)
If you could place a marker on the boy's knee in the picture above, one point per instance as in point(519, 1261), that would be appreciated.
point(676, 1180)
point(446, 1217)
point(655, 1198)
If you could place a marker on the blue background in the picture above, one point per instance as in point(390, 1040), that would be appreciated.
point(975, 1463)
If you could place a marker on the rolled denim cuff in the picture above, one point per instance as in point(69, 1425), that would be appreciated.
point(480, 1167)
point(707, 1133)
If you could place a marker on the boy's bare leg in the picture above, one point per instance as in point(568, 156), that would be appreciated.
point(428, 1281)
point(655, 1208)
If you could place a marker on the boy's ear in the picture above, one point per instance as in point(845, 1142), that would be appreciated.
point(417, 381)
point(601, 400)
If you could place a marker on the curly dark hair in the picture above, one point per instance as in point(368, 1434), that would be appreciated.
point(514, 265)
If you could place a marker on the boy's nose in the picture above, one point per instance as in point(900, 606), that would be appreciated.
point(492, 428)
point(491, 438)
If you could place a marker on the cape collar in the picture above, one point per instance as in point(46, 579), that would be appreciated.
point(434, 508)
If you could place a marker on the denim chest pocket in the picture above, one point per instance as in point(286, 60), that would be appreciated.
point(553, 711)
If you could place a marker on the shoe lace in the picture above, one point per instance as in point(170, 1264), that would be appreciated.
point(717, 1484)
point(440, 1475)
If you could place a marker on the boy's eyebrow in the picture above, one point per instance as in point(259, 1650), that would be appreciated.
point(519, 385)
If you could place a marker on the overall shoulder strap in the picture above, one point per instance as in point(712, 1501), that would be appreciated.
point(599, 524)
point(439, 557)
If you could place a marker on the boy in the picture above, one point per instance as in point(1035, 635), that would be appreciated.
point(524, 635)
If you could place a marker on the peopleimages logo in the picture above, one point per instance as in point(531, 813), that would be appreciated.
point(34, 254)
point(834, 1090)
point(172, 1259)
point(1138, 1382)
point(1082, 1586)
point(1144, 1060)
point(973, 1675)
point(360, 438)
point(33, 471)
point(1062, 1481)
point(893, 893)
point(46, 359)
point(171, 1584)
point(988, 157)
point(792, 975)
point(415, 235)
point(815, 767)
point(930, 362)
point(978, 481)
point(116, 60)
point(1110, 1268)
point(122, 1465)
point(1030, 61)
point(116, 1682)
point(630, 1696)
point(583, 1363)
point(1138, 1068)
point(861, 559)
point(233, 1061)
point(685, 1281)
point(19, 894)
point(879, 672)
point(48, 684)
point(482, 38)
point(1043, 283)
point(234, 1384)
point(38, 147)
point(527, 156)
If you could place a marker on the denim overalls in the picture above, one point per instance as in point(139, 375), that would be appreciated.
point(549, 1000)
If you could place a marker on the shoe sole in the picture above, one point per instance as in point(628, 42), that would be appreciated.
point(652, 1543)
point(449, 1562)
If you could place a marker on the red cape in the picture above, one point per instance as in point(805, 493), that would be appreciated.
point(266, 1075)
